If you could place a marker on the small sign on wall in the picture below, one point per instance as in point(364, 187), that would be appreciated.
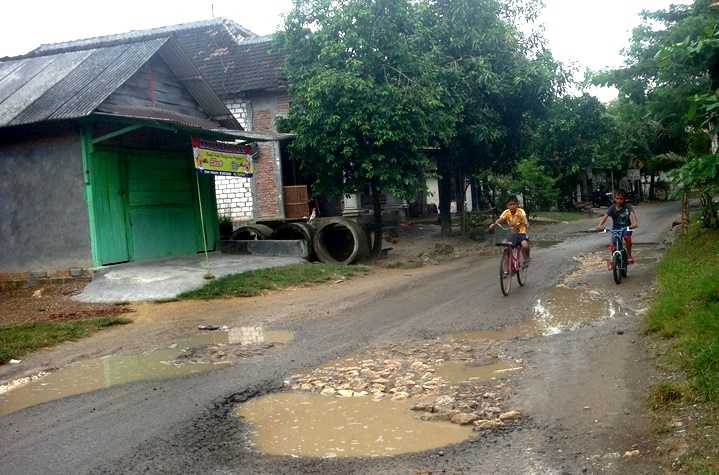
point(217, 158)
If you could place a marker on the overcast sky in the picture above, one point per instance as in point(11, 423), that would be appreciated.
point(590, 33)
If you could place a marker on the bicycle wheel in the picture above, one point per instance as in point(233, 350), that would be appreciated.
point(505, 271)
point(625, 264)
point(523, 268)
point(617, 268)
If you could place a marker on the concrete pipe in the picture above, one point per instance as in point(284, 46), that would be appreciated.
point(252, 232)
point(297, 231)
point(340, 241)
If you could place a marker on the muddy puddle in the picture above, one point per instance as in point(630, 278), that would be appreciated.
point(456, 372)
point(184, 357)
point(544, 244)
point(310, 425)
point(98, 373)
point(526, 328)
point(564, 309)
point(245, 336)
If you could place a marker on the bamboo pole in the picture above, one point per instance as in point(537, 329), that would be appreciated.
point(209, 275)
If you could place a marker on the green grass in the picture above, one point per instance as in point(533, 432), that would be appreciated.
point(687, 308)
point(19, 339)
point(560, 215)
point(248, 284)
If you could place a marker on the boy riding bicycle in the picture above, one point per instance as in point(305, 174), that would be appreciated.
point(516, 218)
point(623, 217)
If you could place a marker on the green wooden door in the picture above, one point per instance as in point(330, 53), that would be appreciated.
point(109, 204)
point(162, 206)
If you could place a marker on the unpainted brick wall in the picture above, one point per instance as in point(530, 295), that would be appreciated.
point(234, 197)
point(265, 186)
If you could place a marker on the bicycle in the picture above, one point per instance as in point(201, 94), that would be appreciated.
point(511, 263)
point(620, 257)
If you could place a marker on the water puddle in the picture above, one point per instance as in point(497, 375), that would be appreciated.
point(310, 425)
point(244, 336)
point(458, 372)
point(564, 308)
point(172, 361)
point(544, 244)
point(525, 328)
point(98, 373)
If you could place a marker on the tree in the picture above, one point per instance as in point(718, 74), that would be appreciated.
point(495, 78)
point(537, 187)
point(575, 135)
point(365, 97)
point(672, 76)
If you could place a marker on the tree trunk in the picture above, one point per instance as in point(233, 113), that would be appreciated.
point(377, 231)
point(460, 195)
point(474, 187)
point(685, 213)
point(445, 195)
point(652, 190)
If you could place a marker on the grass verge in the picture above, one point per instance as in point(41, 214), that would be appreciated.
point(19, 339)
point(248, 284)
point(686, 315)
point(686, 309)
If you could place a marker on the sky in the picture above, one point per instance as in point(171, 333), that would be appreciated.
point(587, 33)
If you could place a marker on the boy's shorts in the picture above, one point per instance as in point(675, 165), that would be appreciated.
point(518, 238)
point(626, 235)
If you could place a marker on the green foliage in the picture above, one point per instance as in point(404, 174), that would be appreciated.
point(248, 284)
point(701, 174)
point(18, 339)
point(687, 306)
point(576, 134)
point(668, 88)
point(366, 99)
point(538, 188)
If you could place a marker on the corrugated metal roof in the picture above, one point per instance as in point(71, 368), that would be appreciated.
point(73, 84)
point(235, 30)
point(233, 60)
point(67, 85)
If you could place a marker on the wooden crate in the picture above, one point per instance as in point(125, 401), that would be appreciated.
point(296, 202)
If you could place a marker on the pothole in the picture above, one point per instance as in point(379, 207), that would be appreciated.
point(186, 356)
point(244, 336)
point(457, 372)
point(525, 328)
point(310, 425)
point(542, 244)
point(91, 375)
point(564, 309)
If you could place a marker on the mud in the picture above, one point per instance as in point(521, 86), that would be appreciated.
point(456, 372)
point(564, 309)
point(526, 328)
point(94, 374)
point(198, 353)
point(309, 425)
point(244, 336)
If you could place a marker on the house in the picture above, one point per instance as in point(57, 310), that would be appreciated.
point(244, 71)
point(96, 155)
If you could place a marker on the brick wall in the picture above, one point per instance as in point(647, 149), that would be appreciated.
point(234, 197)
point(266, 188)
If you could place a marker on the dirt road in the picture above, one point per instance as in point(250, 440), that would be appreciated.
point(584, 370)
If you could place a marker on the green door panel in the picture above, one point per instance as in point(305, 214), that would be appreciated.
point(108, 201)
point(162, 231)
point(161, 205)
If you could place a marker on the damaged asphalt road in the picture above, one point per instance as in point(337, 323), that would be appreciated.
point(580, 392)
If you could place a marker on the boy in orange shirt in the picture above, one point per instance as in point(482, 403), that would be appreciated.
point(517, 220)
